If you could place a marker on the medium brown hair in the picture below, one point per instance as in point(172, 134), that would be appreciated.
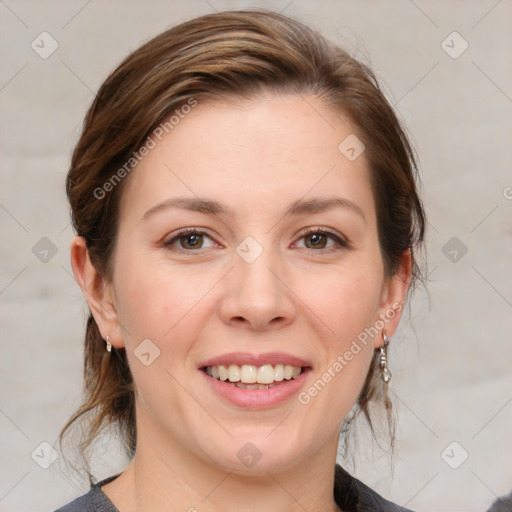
point(230, 54)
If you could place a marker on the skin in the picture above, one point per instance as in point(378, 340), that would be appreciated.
point(308, 300)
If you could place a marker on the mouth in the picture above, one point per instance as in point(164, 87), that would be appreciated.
point(248, 376)
point(256, 381)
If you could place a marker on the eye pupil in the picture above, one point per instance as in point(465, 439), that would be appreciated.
point(192, 240)
point(317, 239)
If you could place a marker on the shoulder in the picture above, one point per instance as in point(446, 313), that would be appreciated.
point(503, 504)
point(349, 492)
point(354, 496)
point(82, 504)
point(94, 501)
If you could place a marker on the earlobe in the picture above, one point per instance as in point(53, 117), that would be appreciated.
point(393, 297)
point(95, 289)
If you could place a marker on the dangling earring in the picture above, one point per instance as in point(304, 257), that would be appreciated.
point(109, 345)
point(383, 364)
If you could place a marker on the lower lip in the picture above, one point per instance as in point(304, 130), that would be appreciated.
point(257, 398)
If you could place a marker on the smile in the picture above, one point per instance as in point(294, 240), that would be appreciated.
point(254, 377)
point(255, 381)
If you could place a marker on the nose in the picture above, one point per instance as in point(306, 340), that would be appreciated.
point(256, 294)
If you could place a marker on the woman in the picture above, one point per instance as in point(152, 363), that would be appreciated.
point(247, 226)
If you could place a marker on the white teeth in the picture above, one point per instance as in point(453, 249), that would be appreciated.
point(248, 374)
point(253, 386)
point(223, 372)
point(265, 374)
point(233, 373)
point(257, 375)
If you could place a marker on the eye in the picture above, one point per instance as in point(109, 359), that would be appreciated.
point(317, 240)
point(189, 239)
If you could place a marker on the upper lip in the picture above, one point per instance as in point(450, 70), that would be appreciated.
point(241, 358)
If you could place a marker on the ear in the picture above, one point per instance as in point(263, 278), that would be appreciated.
point(393, 296)
point(97, 291)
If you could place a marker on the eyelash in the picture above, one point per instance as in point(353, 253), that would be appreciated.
point(342, 243)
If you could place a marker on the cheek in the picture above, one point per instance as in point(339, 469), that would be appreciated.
point(158, 300)
point(346, 300)
point(144, 293)
point(347, 303)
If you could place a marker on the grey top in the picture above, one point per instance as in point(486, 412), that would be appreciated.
point(351, 495)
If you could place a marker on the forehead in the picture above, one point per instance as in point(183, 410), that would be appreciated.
point(253, 154)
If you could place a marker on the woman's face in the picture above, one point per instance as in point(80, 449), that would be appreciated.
point(249, 285)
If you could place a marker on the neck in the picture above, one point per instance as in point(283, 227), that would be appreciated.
point(167, 479)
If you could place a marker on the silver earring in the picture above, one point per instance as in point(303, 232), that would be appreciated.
point(109, 345)
point(383, 364)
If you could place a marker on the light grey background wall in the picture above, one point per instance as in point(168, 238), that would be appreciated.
point(446, 66)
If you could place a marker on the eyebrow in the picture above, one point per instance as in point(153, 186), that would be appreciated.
point(299, 207)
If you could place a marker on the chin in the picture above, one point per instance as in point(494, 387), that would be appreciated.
point(257, 456)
